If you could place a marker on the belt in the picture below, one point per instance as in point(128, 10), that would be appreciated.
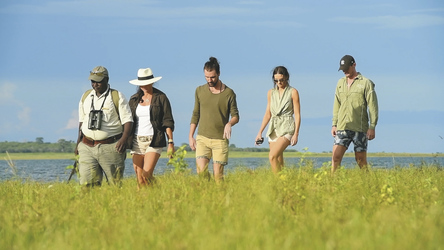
point(143, 138)
point(90, 142)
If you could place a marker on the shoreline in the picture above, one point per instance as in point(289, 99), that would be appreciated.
point(233, 154)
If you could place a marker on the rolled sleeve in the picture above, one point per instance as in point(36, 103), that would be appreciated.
point(124, 110)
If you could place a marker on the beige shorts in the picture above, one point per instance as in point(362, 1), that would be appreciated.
point(212, 148)
point(141, 145)
point(273, 137)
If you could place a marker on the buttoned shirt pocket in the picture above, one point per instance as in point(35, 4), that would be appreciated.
point(107, 112)
point(356, 98)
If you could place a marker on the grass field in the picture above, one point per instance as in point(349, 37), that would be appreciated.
point(301, 208)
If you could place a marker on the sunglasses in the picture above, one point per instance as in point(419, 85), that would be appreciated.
point(280, 80)
point(97, 73)
point(92, 81)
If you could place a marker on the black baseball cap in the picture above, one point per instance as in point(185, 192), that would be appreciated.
point(346, 62)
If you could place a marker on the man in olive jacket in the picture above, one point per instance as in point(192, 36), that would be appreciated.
point(355, 114)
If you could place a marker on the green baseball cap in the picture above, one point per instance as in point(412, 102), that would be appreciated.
point(98, 73)
point(346, 62)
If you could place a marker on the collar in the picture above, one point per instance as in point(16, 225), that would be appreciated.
point(103, 94)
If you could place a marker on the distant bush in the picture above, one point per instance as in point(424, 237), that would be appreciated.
point(61, 146)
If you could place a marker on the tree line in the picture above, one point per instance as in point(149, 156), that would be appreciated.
point(64, 146)
point(38, 146)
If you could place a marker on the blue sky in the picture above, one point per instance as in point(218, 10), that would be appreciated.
point(47, 49)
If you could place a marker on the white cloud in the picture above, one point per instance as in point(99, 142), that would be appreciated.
point(7, 92)
point(73, 122)
point(24, 115)
point(13, 103)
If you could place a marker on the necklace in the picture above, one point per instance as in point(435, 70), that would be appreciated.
point(145, 100)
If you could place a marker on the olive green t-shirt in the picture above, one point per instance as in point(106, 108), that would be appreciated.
point(212, 111)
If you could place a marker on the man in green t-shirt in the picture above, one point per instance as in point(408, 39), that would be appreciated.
point(355, 114)
point(214, 104)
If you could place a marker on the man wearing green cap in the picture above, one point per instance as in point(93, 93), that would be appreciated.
point(105, 122)
point(355, 114)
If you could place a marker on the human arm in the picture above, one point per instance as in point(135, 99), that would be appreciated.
point(79, 138)
point(234, 113)
point(121, 144)
point(126, 119)
point(372, 105)
point(170, 150)
point(227, 129)
point(194, 121)
point(297, 116)
point(168, 124)
point(336, 106)
point(191, 139)
point(80, 134)
point(265, 120)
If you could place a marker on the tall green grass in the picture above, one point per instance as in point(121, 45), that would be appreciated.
point(301, 208)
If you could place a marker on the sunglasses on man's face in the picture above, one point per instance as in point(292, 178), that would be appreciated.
point(92, 81)
point(97, 73)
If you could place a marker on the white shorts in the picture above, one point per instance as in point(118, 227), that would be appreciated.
point(273, 137)
point(141, 145)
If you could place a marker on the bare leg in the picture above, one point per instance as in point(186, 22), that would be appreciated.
point(202, 167)
point(361, 159)
point(138, 168)
point(149, 164)
point(218, 170)
point(336, 159)
point(276, 155)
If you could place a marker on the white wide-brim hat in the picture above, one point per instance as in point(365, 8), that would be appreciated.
point(145, 77)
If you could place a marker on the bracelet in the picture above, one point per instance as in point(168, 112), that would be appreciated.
point(170, 141)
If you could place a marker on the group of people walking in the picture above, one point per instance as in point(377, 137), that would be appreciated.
point(109, 124)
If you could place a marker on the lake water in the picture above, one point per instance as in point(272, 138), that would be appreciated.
point(55, 170)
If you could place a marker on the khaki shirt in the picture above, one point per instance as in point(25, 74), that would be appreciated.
point(355, 108)
point(111, 122)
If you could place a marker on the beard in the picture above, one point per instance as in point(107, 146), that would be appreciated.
point(211, 84)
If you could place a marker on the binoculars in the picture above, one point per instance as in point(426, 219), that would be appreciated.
point(95, 119)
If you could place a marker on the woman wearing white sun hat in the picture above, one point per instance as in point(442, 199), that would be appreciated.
point(153, 118)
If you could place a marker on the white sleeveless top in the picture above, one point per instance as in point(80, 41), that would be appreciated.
point(144, 128)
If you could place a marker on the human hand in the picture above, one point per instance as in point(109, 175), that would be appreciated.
point(170, 151)
point(121, 145)
point(371, 134)
point(333, 131)
point(294, 140)
point(227, 131)
point(259, 140)
point(192, 142)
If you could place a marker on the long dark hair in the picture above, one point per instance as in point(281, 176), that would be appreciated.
point(282, 71)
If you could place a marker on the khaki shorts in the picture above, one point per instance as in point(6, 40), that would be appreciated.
point(273, 137)
point(141, 145)
point(215, 148)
